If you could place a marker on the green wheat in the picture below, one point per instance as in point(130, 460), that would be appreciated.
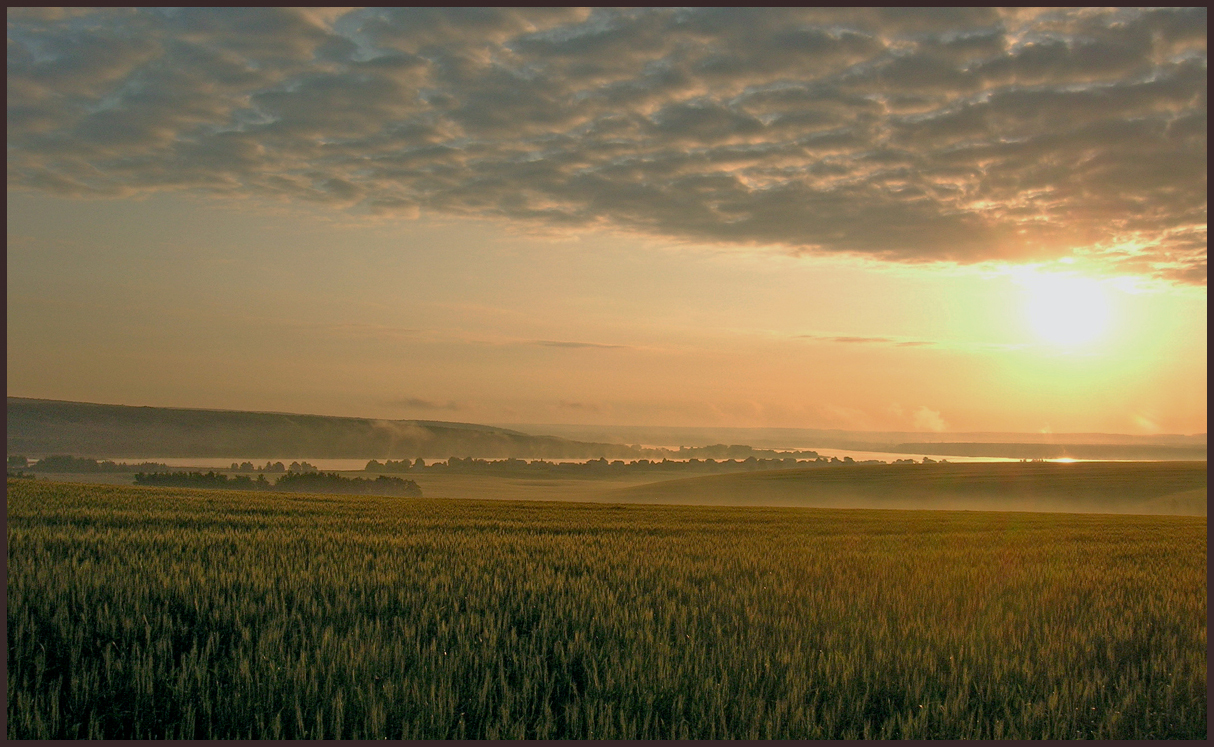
point(171, 613)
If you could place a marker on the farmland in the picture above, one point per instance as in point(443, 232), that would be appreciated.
point(1086, 487)
point(164, 612)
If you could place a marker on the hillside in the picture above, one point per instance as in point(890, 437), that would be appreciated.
point(1096, 487)
point(882, 441)
point(39, 427)
point(1162, 446)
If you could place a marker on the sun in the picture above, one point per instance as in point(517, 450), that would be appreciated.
point(1068, 311)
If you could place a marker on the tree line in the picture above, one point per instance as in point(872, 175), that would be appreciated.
point(275, 467)
point(64, 463)
point(295, 482)
point(599, 467)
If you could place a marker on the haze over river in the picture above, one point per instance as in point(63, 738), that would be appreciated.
point(347, 465)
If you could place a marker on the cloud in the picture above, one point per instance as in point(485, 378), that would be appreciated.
point(869, 340)
point(568, 344)
point(415, 403)
point(577, 406)
point(1146, 424)
point(380, 331)
point(909, 136)
point(928, 420)
point(861, 340)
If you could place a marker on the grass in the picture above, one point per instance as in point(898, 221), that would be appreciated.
point(154, 612)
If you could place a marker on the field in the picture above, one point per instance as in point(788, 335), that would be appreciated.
point(1177, 488)
point(1083, 487)
point(158, 612)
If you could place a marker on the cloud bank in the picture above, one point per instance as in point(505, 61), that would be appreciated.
point(416, 403)
point(912, 136)
point(576, 344)
point(928, 420)
point(869, 340)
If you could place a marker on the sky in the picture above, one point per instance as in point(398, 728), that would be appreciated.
point(936, 220)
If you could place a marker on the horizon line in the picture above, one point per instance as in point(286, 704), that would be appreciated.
point(509, 426)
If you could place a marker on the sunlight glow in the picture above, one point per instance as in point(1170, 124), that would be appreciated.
point(1066, 310)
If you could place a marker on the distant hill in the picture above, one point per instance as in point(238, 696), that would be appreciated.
point(37, 427)
point(1163, 446)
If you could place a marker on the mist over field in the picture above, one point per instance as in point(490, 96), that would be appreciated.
point(1151, 488)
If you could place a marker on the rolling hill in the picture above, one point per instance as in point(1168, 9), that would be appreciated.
point(38, 427)
point(1085, 487)
point(1160, 446)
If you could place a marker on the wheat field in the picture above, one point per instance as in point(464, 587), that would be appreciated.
point(174, 613)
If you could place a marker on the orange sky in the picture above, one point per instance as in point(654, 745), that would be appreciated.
point(161, 302)
point(948, 220)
